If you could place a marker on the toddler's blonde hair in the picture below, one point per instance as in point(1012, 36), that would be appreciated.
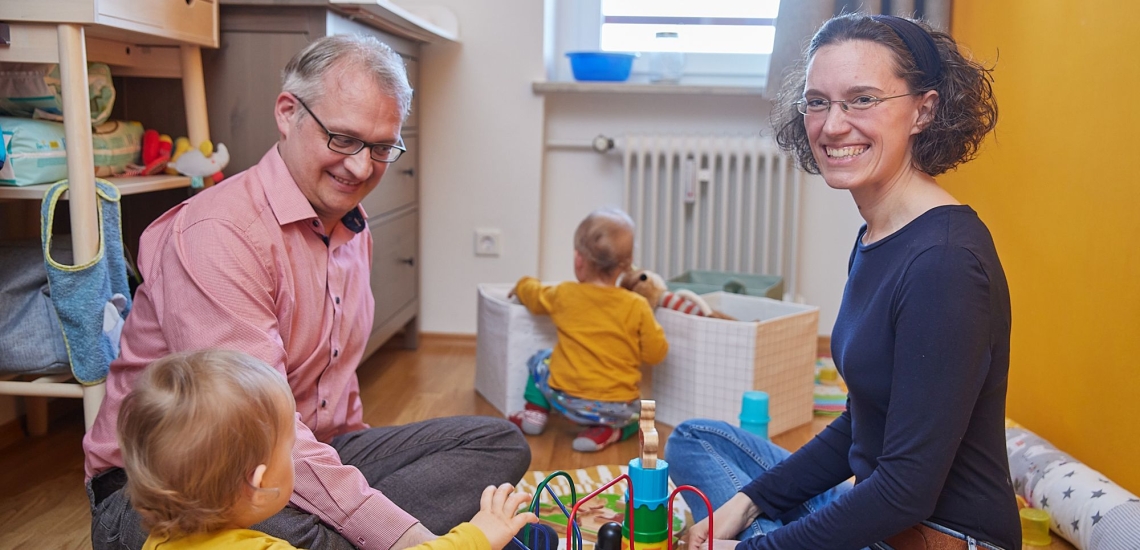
point(605, 240)
point(192, 432)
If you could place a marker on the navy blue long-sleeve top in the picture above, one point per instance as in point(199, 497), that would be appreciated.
point(922, 340)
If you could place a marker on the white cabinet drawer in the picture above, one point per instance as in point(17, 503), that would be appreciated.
point(395, 265)
point(398, 187)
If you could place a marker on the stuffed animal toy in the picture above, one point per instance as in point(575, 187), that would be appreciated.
point(651, 286)
point(180, 146)
point(202, 164)
point(156, 151)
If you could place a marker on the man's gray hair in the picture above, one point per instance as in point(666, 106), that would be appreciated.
point(303, 76)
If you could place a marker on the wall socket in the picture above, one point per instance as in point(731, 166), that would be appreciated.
point(488, 242)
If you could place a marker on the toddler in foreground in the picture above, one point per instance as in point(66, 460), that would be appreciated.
point(605, 333)
point(207, 439)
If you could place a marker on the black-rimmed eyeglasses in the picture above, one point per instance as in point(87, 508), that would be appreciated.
point(817, 105)
point(348, 145)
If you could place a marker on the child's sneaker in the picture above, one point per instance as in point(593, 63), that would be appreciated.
point(531, 420)
point(596, 438)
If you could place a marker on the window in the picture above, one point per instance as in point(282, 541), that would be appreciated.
point(725, 41)
point(709, 26)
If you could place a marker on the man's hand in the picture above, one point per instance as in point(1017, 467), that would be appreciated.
point(496, 517)
point(415, 535)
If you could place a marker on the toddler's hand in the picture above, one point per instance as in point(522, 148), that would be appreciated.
point(496, 517)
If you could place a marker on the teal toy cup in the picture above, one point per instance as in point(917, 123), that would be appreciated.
point(754, 413)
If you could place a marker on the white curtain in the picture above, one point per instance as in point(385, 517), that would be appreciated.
point(799, 19)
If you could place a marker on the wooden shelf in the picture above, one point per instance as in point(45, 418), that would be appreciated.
point(127, 186)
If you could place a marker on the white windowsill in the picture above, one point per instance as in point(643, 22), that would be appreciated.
point(545, 87)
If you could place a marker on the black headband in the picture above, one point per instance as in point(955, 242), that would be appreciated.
point(921, 46)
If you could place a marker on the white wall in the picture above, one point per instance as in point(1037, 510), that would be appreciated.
point(483, 164)
point(481, 155)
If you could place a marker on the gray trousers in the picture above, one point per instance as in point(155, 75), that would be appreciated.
point(435, 470)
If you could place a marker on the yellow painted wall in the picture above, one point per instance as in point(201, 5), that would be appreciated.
point(1059, 188)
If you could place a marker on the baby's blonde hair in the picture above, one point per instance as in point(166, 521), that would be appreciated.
point(605, 240)
point(193, 431)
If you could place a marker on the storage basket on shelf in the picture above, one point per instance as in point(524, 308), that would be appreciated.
point(702, 282)
point(712, 362)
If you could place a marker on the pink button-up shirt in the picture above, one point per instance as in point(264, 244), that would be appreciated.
point(244, 266)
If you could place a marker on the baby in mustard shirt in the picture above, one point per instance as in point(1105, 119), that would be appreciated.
point(605, 333)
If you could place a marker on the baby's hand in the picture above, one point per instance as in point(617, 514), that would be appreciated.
point(496, 517)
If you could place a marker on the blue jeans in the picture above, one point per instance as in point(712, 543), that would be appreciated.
point(720, 459)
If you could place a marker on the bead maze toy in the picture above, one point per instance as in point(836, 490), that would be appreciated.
point(648, 517)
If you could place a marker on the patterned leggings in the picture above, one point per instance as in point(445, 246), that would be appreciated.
point(615, 414)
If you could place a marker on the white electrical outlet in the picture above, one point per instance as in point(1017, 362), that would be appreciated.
point(488, 242)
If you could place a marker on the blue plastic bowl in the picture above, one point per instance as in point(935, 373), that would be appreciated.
point(601, 66)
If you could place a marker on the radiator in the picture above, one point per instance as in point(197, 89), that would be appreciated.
point(727, 203)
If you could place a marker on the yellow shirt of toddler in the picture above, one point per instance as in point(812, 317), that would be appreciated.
point(605, 334)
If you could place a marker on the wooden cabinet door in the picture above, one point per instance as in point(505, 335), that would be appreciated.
point(244, 88)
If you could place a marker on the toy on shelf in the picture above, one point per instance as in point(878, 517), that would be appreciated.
point(647, 523)
point(203, 165)
point(652, 287)
point(180, 146)
point(156, 151)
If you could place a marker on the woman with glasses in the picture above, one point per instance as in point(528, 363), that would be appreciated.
point(884, 105)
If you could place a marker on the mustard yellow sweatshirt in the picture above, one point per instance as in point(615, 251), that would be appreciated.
point(604, 336)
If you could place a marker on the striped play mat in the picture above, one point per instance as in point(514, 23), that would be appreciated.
point(606, 507)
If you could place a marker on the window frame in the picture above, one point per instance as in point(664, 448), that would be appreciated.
point(578, 27)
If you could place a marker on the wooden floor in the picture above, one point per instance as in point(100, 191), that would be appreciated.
point(43, 503)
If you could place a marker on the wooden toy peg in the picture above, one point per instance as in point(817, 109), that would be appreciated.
point(647, 434)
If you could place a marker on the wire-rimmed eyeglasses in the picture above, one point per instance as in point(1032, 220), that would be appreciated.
point(348, 145)
point(818, 105)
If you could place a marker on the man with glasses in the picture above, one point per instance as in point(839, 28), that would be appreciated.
point(274, 262)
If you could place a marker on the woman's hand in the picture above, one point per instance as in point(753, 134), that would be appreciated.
point(728, 520)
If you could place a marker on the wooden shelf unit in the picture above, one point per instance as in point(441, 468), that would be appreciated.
point(136, 38)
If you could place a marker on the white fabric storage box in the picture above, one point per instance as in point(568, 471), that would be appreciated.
point(712, 362)
point(507, 335)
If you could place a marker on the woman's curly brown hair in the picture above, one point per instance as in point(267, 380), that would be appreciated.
point(965, 111)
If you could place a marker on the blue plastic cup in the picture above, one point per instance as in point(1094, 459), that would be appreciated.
point(754, 413)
